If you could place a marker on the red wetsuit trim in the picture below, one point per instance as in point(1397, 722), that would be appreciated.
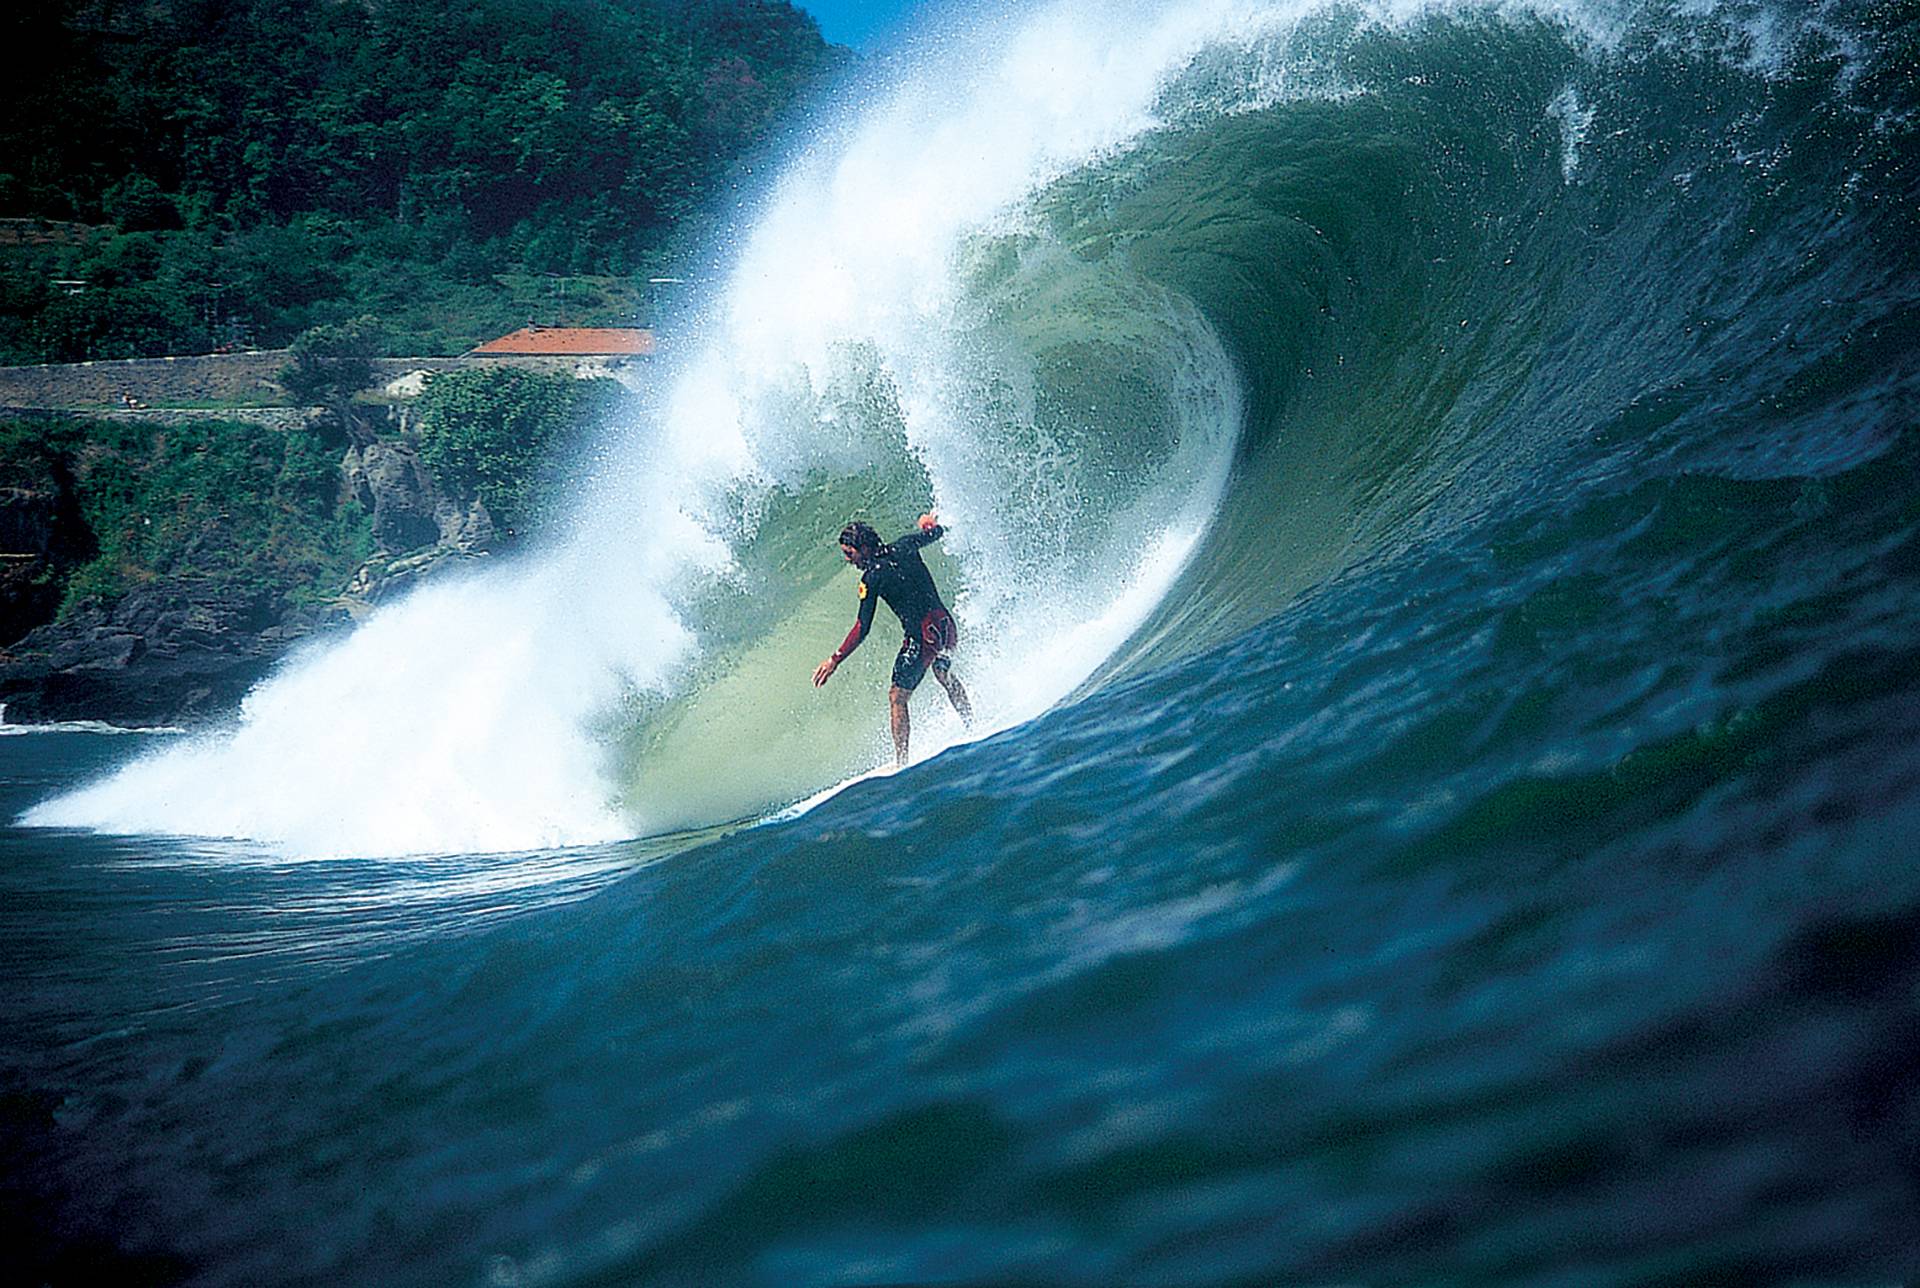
point(852, 642)
point(937, 630)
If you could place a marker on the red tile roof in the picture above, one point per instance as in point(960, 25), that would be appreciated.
point(572, 341)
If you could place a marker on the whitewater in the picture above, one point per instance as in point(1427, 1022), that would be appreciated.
point(1433, 531)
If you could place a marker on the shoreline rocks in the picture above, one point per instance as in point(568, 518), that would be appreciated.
point(166, 654)
point(182, 650)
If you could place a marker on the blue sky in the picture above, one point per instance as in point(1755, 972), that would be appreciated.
point(859, 23)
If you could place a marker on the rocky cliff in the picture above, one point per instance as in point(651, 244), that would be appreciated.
point(178, 651)
point(41, 535)
point(186, 641)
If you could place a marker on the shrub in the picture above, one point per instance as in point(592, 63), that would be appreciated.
point(137, 204)
point(501, 433)
point(332, 363)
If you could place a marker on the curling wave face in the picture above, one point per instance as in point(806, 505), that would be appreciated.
point(1172, 311)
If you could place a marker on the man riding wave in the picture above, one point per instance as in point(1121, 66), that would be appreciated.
point(897, 574)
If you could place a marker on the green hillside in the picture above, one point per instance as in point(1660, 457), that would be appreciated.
point(236, 171)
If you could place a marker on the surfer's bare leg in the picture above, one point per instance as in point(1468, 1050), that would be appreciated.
point(956, 691)
point(902, 726)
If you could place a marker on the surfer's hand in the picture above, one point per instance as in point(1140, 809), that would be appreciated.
point(929, 521)
point(821, 672)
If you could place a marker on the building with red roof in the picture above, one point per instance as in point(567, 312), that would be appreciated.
point(569, 342)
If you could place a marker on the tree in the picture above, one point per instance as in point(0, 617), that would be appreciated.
point(502, 433)
point(330, 364)
point(137, 205)
point(283, 136)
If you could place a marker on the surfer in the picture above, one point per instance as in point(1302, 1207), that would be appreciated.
point(897, 574)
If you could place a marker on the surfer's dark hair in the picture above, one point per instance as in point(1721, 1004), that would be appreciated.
point(859, 536)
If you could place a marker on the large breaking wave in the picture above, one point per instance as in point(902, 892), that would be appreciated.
point(1171, 310)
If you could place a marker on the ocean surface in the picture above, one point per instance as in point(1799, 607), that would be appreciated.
point(1435, 528)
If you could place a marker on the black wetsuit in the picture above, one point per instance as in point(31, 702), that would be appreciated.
point(899, 576)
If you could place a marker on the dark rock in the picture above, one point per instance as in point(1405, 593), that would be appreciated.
point(27, 518)
point(98, 651)
point(180, 650)
point(165, 654)
point(29, 596)
point(410, 510)
point(303, 620)
point(379, 580)
point(41, 535)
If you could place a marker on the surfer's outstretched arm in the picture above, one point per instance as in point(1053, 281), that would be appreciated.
point(926, 533)
point(861, 625)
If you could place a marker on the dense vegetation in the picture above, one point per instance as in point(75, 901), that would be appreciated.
point(498, 432)
point(251, 168)
point(216, 502)
point(227, 505)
